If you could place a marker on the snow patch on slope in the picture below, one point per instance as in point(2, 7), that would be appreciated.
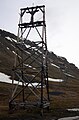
point(70, 118)
point(74, 109)
point(11, 39)
point(55, 80)
point(5, 78)
point(55, 65)
point(69, 75)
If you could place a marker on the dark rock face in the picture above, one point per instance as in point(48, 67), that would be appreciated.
point(57, 65)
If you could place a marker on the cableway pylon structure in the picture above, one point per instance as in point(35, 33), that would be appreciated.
point(30, 69)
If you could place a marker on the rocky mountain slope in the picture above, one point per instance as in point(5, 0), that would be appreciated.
point(59, 67)
point(63, 95)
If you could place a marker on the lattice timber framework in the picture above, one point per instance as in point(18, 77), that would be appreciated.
point(31, 67)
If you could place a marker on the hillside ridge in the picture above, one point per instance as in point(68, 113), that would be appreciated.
point(59, 67)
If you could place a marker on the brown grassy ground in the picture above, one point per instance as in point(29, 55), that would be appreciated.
point(68, 98)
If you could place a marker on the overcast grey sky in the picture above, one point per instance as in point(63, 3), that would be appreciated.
point(62, 19)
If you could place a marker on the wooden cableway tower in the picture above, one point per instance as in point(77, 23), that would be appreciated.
point(31, 64)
